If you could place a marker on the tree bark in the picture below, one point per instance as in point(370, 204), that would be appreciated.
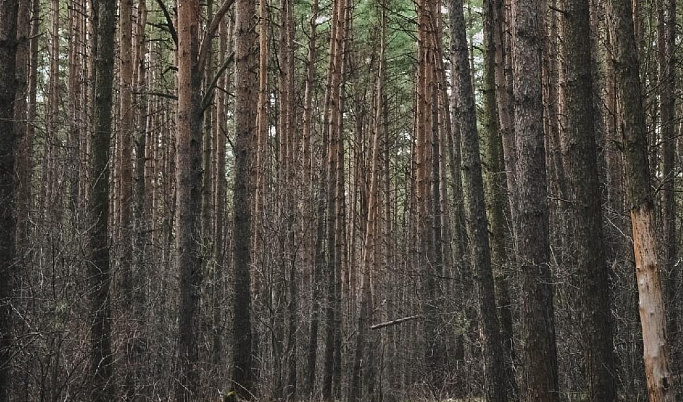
point(208, 151)
point(312, 351)
point(539, 353)
point(473, 184)
point(331, 120)
point(220, 201)
point(126, 128)
point(288, 166)
point(142, 210)
point(370, 256)
point(49, 168)
point(8, 141)
point(245, 129)
point(660, 382)
point(667, 75)
point(101, 355)
point(496, 182)
point(504, 99)
point(189, 197)
point(24, 133)
point(580, 160)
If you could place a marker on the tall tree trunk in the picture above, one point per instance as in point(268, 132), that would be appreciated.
point(579, 148)
point(245, 121)
point(8, 141)
point(101, 355)
point(259, 169)
point(189, 186)
point(262, 124)
point(539, 353)
point(24, 133)
point(457, 212)
point(126, 128)
point(288, 168)
point(141, 213)
point(126, 132)
point(76, 108)
point(341, 228)
point(331, 119)
point(208, 151)
point(370, 260)
point(667, 75)
point(496, 187)
point(660, 382)
point(426, 118)
point(312, 351)
point(473, 184)
point(504, 98)
point(220, 201)
point(50, 171)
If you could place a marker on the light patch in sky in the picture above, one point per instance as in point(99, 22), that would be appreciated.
point(478, 38)
point(322, 19)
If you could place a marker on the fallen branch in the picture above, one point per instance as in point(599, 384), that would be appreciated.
point(395, 322)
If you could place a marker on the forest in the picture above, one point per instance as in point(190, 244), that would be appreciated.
point(340, 200)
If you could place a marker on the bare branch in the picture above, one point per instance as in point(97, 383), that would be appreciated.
point(395, 322)
point(208, 95)
point(210, 31)
point(159, 94)
point(169, 21)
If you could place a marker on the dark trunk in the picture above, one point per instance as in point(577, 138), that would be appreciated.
point(667, 103)
point(539, 353)
point(660, 381)
point(189, 182)
point(8, 141)
point(101, 357)
point(245, 120)
point(580, 160)
point(494, 360)
point(496, 182)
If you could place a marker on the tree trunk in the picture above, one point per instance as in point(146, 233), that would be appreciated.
point(496, 182)
point(260, 166)
point(50, 172)
point(24, 133)
point(425, 219)
point(8, 141)
point(245, 121)
point(341, 244)
point(101, 356)
point(539, 353)
point(370, 259)
point(142, 220)
point(331, 119)
point(188, 210)
point(126, 132)
point(580, 157)
point(127, 127)
point(667, 103)
point(288, 166)
point(220, 201)
point(473, 184)
point(262, 125)
point(208, 151)
point(312, 351)
point(660, 382)
point(504, 99)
